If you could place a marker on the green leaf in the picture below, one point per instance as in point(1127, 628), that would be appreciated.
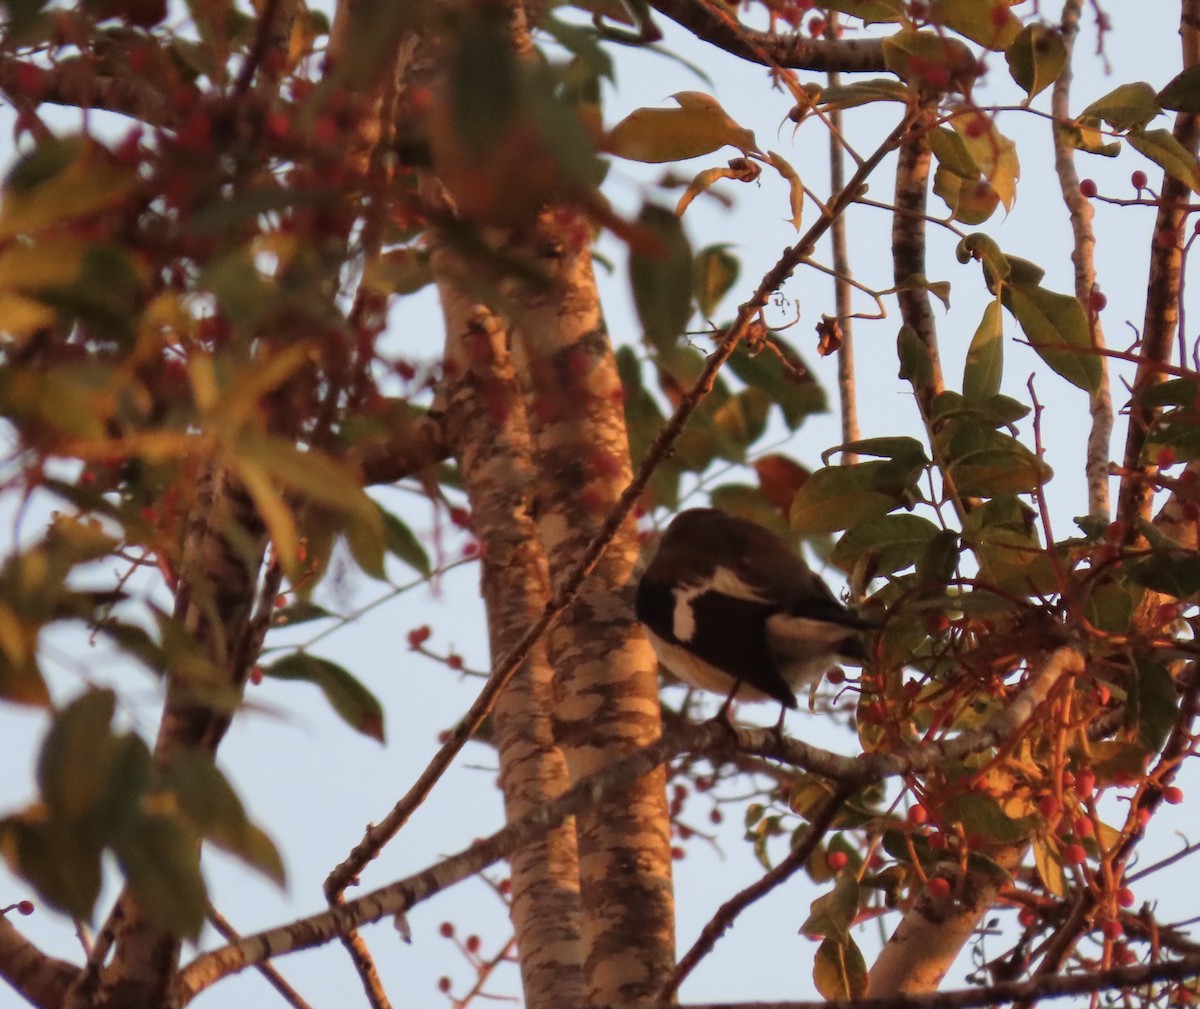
point(699, 126)
point(1153, 702)
point(985, 357)
point(1057, 327)
point(895, 542)
point(838, 497)
point(935, 566)
point(848, 96)
point(403, 544)
point(871, 11)
point(952, 153)
point(898, 447)
point(988, 22)
point(832, 914)
point(1036, 58)
point(78, 755)
point(61, 862)
point(1126, 107)
point(357, 706)
point(161, 862)
point(794, 391)
point(916, 365)
point(662, 280)
point(1182, 93)
point(1085, 135)
point(60, 181)
point(988, 463)
point(299, 612)
point(216, 812)
point(400, 271)
point(983, 815)
point(1175, 575)
point(715, 271)
point(970, 200)
point(839, 970)
point(1161, 147)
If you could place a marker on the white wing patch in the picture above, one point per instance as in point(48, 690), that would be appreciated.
point(723, 581)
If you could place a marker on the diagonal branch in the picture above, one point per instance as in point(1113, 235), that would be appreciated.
point(505, 667)
point(40, 979)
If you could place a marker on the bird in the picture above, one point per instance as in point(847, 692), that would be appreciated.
point(732, 608)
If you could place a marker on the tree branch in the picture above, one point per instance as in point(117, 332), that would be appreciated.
point(40, 979)
point(796, 51)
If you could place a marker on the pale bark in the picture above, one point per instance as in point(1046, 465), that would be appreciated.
point(487, 427)
point(1083, 249)
point(607, 689)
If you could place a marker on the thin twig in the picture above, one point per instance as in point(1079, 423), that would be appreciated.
point(274, 978)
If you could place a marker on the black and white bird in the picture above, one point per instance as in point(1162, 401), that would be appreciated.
point(732, 608)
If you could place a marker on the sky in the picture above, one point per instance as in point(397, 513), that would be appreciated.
point(314, 784)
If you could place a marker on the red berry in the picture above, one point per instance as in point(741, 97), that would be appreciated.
point(1173, 795)
point(505, 886)
point(936, 623)
point(1124, 955)
point(25, 907)
point(473, 943)
point(1074, 854)
point(1115, 532)
point(1125, 897)
point(278, 124)
point(939, 888)
point(678, 854)
point(280, 601)
point(31, 82)
point(1049, 806)
point(716, 816)
point(471, 549)
point(836, 675)
point(1083, 827)
point(446, 930)
point(443, 984)
point(454, 661)
point(1097, 300)
point(1088, 188)
point(1027, 917)
point(256, 675)
point(1166, 457)
point(1112, 930)
point(1139, 180)
point(1085, 783)
point(837, 860)
point(418, 636)
point(918, 815)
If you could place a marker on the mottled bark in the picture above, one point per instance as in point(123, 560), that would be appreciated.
point(1083, 249)
point(223, 551)
point(908, 258)
point(607, 687)
point(41, 980)
point(490, 437)
point(1162, 298)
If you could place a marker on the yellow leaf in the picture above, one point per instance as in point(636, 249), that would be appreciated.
point(21, 316)
point(54, 262)
point(89, 183)
point(795, 187)
point(280, 521)
point(699, 126)
point(993, 152)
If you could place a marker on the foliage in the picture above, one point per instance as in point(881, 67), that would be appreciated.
point(211, 292)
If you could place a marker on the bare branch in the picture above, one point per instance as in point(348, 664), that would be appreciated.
point(1083, 249)
point(797, 51)
point(40, 979)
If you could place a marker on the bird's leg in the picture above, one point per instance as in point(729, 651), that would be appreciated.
point(723, 714)
point(779, 724)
